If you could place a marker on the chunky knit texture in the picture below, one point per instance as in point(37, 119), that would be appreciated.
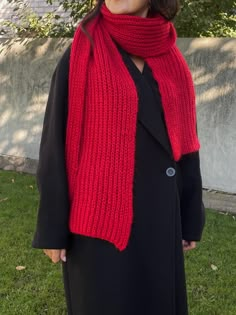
point(102, 114)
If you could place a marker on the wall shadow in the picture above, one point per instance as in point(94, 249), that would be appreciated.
point(213, 65)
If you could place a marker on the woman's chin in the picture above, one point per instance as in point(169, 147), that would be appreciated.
point(118, 8)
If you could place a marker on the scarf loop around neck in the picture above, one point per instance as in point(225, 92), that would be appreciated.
point(102, 113)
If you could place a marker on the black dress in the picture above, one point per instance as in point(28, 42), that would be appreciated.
point(148, 277)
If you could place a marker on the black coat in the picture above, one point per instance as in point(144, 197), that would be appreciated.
point(148, 276)
point(52, 222)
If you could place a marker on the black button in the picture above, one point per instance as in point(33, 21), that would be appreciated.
point(170, 171)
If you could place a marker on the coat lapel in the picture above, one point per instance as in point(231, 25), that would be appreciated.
point(150, 113)
point(153, 122)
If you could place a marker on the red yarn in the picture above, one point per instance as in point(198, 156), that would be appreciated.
point(102, 113)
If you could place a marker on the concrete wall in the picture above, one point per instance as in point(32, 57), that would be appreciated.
point(25, 72)
point(213, 65)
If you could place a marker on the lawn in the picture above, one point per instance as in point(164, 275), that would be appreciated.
point(37, 289)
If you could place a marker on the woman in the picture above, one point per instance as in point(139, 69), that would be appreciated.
point(119, 171)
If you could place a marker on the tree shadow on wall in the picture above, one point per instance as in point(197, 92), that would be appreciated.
point(213, 65)
point(26, 68)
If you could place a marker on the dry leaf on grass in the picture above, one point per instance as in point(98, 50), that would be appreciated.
point(4, 199)
point(20, 267)
point(213, 267)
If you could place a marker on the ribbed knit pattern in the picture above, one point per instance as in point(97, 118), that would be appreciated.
point(102, 117)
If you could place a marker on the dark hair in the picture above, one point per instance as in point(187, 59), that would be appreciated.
point(167, 8)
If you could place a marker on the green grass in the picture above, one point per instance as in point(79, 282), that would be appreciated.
point(38, 289)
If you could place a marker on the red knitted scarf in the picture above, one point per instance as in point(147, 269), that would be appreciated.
point(102, 113)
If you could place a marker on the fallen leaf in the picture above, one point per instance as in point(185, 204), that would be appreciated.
point(4, 199)
point(213, 267)
point(20, 267)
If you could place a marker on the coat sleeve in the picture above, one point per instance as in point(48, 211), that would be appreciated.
point(52, 230)
point(191, 203)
